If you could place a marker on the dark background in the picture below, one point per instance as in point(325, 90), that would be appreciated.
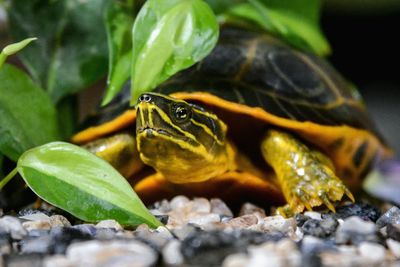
point(366, 50)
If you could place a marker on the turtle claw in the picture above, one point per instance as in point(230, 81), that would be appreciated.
point(325, 199)
point(349, 194)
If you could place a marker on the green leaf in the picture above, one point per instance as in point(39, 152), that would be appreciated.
point(13, 48)
point(73, 179)
point(27, 114)
point(295, 21)
point(119, 21)
point(169, 36)
point(71, 52)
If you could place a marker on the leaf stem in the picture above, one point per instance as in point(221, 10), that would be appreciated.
point(8, 178)
point(3, 58)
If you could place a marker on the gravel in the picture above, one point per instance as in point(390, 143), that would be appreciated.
point(202, 232)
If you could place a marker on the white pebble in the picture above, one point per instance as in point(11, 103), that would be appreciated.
point(172, 254)
point(178, 202)
point(57, 261)
point(201, 205)
point(113, 224)
point(394, 247)
point(236, 260)
point(13, 226)
point(205, 219)
point(372, 251)
point(313, 215)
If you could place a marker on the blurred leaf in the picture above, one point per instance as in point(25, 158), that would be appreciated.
point(220, 6)
point(169, 36)
point(295, 21)
point(27, 114)
point(13, 48)
point(119, 21)
point(67, 116)
point(73, 179)
point(71, 52)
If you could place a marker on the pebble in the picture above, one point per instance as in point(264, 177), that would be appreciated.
point(354, 230)
point(57, 261)
point(112, 224)
point(248, 208)
point(242, 222)
point(171, 253)
point(313, 215)
point(320, 228)
point(111, 253)
point(393, 231)
point(219, 207)
point(362, 210)
point(372, 252)
point(394, 247)
point(13, 226)
point(392, 216)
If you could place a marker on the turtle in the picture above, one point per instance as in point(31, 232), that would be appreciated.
point(256, 120)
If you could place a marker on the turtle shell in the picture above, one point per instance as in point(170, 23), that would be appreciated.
point(254, 81)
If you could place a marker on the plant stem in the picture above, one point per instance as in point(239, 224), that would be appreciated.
point(8, 178)
point(3, 58)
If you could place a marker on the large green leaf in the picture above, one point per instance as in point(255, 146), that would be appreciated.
point(27, 114)
point(169, 36)
point(81, 183)
point(71, 52)
point(119, 21)
point(296, 21)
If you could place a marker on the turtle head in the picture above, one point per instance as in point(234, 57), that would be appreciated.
point(180, 140)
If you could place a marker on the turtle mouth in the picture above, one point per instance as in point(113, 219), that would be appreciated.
point(149, 131)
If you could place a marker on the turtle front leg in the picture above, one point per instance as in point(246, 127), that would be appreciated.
point(306, 177)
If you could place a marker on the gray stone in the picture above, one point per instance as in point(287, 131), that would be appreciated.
point(59, 220)
point(113, 224)
point(171, 253)
point(178, 202)
point(205, 219)
point(111, 254)
point(219, 207)
point(42, 244)
point(320, 228)
point(393, 231)
point(201, 205)
point(354, 230)
point(13, 226)
point(392, 216)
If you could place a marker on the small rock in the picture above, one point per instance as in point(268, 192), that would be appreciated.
point(5, 243)
point(155, 238)
point(373, 252)
point(354, 230)
point(392, 216)
point(393, 231)
point(16, 260)
point(183, 232)
point(394, 247)
point(86, 228)
point(42, 244)
point(362, 210)
point(111, 253)
point(113, 224)
point(37, 225)
point(301, 219)
point(313, 215)
point(162, 206)
point(219, 207)
point(13, 226)
point(205, 219)
point(312, 247)
point(236, 260)
point(243, 222)
point(320, 228)
point(57, 261)
point(209, 248)
point(178, 202)
point(278, 223)
point(171, 253)
point(248, 208)
point(62, 237)
point(59, 220)
point(201, 205)
point(35, 216)
point(105, 233)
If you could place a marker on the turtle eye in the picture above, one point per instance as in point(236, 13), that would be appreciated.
point(181, 113)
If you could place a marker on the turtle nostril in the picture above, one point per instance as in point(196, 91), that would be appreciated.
point(145, 98)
